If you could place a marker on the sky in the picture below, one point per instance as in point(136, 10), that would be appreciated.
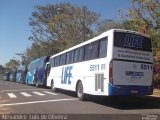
point(15, 14)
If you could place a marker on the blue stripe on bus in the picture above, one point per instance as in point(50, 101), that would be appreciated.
point(129, 90)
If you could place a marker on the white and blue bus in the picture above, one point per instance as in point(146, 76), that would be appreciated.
point(117, 62)
point(36, 72)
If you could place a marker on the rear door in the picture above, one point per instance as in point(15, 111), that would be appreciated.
point(132, 59)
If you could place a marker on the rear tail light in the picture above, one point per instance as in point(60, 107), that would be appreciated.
point(111, 72)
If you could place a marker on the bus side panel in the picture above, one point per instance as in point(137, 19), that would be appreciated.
point(91, 73)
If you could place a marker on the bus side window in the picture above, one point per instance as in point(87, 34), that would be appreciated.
point(63, 59)
point(78, 54)
point(94, 50)
point(57, 61)
point(87, 50)
point(70, 57)
point(81, 54)
point(103, 47)
point(52, 62)
point(91, 51)
point(48, 70)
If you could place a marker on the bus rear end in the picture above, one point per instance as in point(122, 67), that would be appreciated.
point(131, 69)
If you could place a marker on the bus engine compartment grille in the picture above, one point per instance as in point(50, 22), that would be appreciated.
point(99, 82)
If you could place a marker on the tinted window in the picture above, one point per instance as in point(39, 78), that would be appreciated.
point(87, 50)
point(33, 66)
point(91, 50)
point(67, 59)
point(63, 59)
point(52, 62)
point(56, 63)
point(133, 41)
point(70, 56)
point(76, 54)
point(94, 50)
point(79, 54)
point(103, 47)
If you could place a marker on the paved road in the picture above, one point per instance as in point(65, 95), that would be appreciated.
point(21, 98)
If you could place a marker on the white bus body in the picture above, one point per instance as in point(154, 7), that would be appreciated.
point(117, 62)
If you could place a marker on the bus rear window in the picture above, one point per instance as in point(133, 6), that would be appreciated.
point(132, 41)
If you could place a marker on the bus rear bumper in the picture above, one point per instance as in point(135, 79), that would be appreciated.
point(129, 90)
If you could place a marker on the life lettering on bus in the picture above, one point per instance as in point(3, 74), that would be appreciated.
point(133, 41)
point(66, 75)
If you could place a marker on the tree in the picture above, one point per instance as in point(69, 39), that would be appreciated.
point(144, 16)
point(156, 81)
point(62, 22)
point(58, 27)
point(12, 64)
point(2, 70)
point(73, 24)
point(34, 52)
point(105, 25)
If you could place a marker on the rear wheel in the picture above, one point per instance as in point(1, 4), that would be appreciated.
point(80, 92)
point(52, 86)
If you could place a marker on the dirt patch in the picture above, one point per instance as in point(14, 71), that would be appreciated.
point(156, 92)
point(3, 109)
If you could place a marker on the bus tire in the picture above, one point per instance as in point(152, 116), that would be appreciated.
point(80, 92)
point(52, 86)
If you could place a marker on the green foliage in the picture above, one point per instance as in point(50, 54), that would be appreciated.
point(144, 16)
point(73, 24)
point(60, 26)
point(2, 70)
point(105, 25)
point(12, 64)
point(56, 27)
point(156, 78)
